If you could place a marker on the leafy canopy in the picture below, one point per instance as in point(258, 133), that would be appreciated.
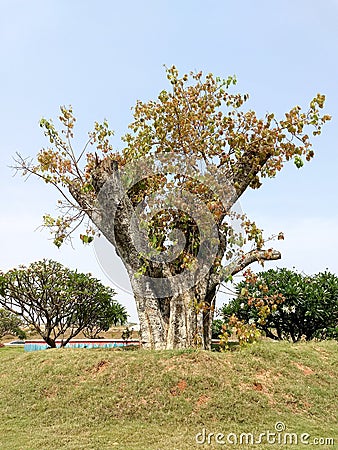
point(203, 127)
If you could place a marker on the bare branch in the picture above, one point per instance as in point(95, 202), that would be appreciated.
point(254, 256)
point(26, 168)
point(242, 261)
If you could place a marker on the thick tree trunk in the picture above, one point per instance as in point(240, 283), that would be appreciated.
point(181, 321)
point(49, 341)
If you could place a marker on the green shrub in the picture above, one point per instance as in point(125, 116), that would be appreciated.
point(288, 305)
point(10, 323)
point(216, 328)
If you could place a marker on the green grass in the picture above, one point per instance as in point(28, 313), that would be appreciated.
point(97, 399)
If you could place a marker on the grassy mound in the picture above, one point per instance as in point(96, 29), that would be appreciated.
point(83, 399)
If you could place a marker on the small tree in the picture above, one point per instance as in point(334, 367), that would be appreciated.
point(111, 313)
point(53, 299)
point(287, 305)
point(11, 324)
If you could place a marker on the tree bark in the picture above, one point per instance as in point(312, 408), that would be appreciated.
point(49, 341)
point(181, 321)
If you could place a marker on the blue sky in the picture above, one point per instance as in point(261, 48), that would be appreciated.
point(102, 56)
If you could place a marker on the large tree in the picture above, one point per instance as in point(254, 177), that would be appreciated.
point(166, 200)
point(56, 301)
